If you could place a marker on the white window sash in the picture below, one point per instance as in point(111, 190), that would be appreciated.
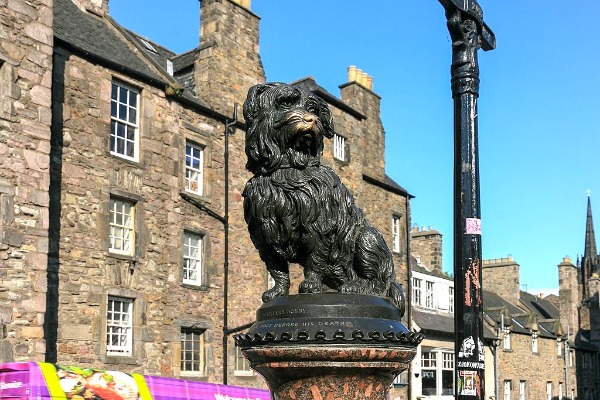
point(119, 329)
point(121, 227)
point(192, 259)
point(118, 120)
point(194, 176)
point(339, 144)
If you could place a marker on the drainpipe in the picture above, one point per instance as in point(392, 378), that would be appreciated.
point(229, 130)
point(567, 358)
point(408, 296)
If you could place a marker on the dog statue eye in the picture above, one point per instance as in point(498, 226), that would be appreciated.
point(312, 107)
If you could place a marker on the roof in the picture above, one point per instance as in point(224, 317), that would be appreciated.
point(542, 307)
point(93, 36)
point(433, 322)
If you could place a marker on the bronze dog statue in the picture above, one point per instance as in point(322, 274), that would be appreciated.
point(298, 210)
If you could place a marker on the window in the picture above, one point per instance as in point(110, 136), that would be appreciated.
point(192, 351)
point(121, 224)
point(437, 372)
point(192, 258)
point(242, 365)
point(447, 374)
point(534, 342)
point(339, 147)
point(560, 391)
point(429, 303)
point(506, 339)
point(194, 168)
point(396, 234)
point(124, 129)
point(558, 348)
point(401, 379)
point(451, 299)
point(522, 390)
point(119, 326)
point(416, 289)
point(570, 358)
point(506, 390)
point(428, 373)
point(548, 390)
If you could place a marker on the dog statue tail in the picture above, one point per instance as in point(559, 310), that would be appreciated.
point(396, 293)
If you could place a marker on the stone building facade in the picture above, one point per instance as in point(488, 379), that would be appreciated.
point(26, 46)
point(121, 212)
point(534, 347)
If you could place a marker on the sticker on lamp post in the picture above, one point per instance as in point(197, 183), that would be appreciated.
point(468, 383)
point(473, 226)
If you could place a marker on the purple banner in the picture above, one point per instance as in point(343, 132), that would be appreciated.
point(167, 388)
point(22, 381)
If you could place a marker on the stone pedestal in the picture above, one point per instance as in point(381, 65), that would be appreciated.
point(329, 346)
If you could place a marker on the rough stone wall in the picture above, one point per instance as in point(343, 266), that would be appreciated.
point(427, 244)
point(25, 80)
point(228, 62)
point(520, 363)
point(501, 276)
point(568, 294)
point(372, 144)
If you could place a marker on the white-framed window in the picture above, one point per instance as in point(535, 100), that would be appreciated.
point(506, 393)
point(192, 259)
point(242, 365)
point(570, 358)
point(417, 291)
point(437, 373)
point(121, 226)
point(401, 379)
point(534, 342)
point(119, 326)
point(429, 294)
point(194, 168)
point(451, 299)
point(558, 348)
point(506, 339)
point(548, 390)
point(560, 391)
point(192, 351)
point(396, 233)
point(124, 121)
point(522, 390)
point(339, 147)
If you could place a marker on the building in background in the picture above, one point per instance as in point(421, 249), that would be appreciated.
point(535, 347)
point(112, 185)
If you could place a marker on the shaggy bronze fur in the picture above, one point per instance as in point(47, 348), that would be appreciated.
point(298, 210)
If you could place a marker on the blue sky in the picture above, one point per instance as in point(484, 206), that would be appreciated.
point(539, 105)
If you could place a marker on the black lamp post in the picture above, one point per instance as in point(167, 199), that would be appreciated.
point(468, 33)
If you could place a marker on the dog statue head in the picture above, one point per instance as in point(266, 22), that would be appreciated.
point(285, 127)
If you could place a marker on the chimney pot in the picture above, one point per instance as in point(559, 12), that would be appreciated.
point(352, 73)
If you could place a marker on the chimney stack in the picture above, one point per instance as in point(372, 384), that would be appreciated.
point(358, 76)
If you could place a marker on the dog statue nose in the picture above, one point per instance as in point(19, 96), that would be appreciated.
point(309, 118)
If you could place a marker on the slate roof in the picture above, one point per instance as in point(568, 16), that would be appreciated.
point(542, 307)
point(433, 322)
point(92, 36)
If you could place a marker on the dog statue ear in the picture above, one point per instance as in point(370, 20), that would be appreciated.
point(326, 119)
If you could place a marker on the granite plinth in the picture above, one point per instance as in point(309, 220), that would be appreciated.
point(329, 346)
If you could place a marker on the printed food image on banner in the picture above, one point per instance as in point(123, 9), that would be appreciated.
point(90, 384)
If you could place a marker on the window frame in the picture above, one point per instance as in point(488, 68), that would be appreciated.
point(396, 233)
point(198, 355)
point(417, 292)
point(115, 120)
point(549, 390)
point(430, 295)
point(199, 259)
point(435, 365)
point(522, 390)
point(339, 147)
point(506, 345)
point(113, 328)
point(129, 234)
point(506, 390)
point(190, 169)
point(240, 360)
point(534, 342)
point(451, 299)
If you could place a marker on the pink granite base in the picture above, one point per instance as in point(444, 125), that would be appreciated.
point(321, 372)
